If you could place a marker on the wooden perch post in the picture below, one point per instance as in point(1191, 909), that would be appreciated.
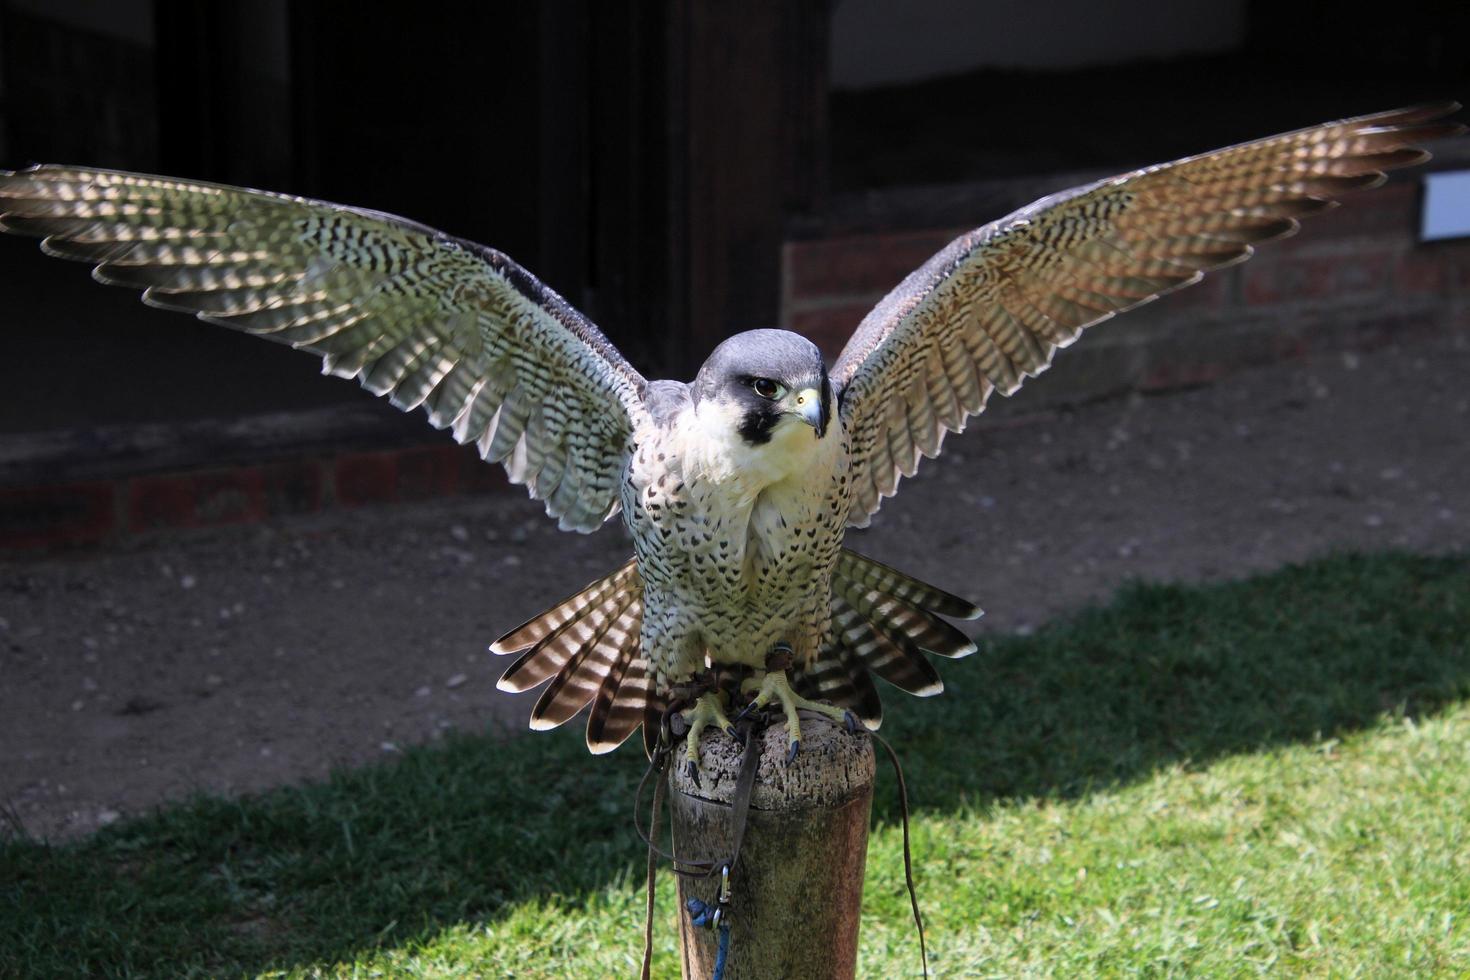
point(797, 886)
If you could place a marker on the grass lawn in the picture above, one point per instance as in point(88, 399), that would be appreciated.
point(1270, 776)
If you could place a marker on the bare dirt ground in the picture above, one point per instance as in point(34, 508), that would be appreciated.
point(235, 660)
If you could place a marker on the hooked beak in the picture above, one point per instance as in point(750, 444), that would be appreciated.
point(809, 409)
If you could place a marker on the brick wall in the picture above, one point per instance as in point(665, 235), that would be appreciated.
point(110, 508)
point(1352, 278)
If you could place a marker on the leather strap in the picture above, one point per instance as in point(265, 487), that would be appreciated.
point(739, 807)
point(744, 789)
point(739, 816)
point(908, 863)
point(658, 792)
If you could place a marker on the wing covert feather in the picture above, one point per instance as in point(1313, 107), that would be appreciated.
point(993, 307)
point(413, 314)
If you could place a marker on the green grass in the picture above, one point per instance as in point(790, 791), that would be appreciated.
point(1266, 776)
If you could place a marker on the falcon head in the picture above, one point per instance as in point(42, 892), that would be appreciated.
point(768, 383)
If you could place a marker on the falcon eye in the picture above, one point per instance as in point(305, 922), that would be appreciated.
point(766, 388)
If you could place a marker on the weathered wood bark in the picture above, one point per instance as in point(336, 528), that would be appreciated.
point(798, 884)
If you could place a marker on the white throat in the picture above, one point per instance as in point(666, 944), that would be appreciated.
point(714, 449)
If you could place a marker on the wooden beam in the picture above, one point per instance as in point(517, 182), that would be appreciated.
point(796, 888)
point(750, 126)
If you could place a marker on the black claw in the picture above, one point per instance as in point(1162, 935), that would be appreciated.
point(791, 752)
point(850, 722)
point(730, 730)
point(744, 712)
point(692, 771)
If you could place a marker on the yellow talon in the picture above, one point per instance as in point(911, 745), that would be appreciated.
point(708, 710)
point(774, 684)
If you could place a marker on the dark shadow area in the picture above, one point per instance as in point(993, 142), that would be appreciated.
point(993, 123)
point(128, 364)
point(1294, 63)
point(385, 855)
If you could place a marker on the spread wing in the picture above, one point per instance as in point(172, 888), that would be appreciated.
point(992, 308)
point(426, 319)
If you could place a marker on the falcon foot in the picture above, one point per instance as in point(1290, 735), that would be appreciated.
point(775, 686)
point(708, 710)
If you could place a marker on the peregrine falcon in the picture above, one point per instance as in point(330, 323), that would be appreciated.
point(736, 488)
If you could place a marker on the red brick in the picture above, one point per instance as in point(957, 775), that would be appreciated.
point(292, 487)
point(235, 496)
point(1418, 271)
point(829, 326)
point(1289, 346)
point(858, 264)
point(478, 476)
point(1283, 279)
point(232, 496)
point(1370, 331)
point(1211, 292)
point(1362, 274)
point(1292, 278)
point(161, 501)
point(366, 478)
point(429, 472)
point(1437, 267)
point(1390, 212)
point(54, 516)
point(1183, 374)
point(1454, 264)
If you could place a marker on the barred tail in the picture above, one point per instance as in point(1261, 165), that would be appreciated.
point(587, 647)
point(585, 650)
point(883, 621)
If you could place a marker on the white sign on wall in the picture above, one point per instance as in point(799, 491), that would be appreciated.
point(1446, 212)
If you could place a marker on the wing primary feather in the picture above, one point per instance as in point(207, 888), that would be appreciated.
point(409, 312)
point(1015, 290)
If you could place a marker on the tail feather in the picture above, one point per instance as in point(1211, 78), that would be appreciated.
point(578, 682)
point(927, 631)
point(898, 662)
point(653, 715)
point(555, 635)
point(839, 676)
point(620, 705)
point(574, 688)
point(602, 707)
point(864, 571)
point(884, 648)
point(546, 659)
point(538, 627)
point(882, 622)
